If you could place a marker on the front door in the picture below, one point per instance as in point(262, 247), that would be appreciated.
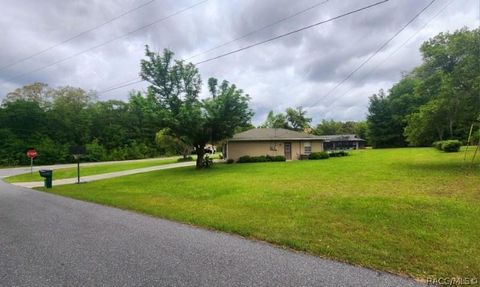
point(287, 147)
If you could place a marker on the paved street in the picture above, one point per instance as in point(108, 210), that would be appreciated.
point(47, 240)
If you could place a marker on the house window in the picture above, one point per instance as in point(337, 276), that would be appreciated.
point(307, 146)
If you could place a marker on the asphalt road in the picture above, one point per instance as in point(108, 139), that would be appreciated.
point(47, 240)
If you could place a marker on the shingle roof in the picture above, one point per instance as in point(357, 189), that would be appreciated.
point(273, 134)
point(348, 137)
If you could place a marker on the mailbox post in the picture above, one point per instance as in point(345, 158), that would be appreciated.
point(77, 152)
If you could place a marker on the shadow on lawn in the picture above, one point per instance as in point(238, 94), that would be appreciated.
point(460, 168)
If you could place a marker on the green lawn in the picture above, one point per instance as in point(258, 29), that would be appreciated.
point(92, 169)
point(412, 211)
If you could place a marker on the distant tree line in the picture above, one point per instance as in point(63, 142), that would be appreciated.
point(53, 120)
point(296, 119)
point(169, 118)
point(438, 100)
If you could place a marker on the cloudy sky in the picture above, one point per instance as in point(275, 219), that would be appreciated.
point(298, 70)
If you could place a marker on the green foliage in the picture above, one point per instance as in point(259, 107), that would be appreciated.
point(319, 155)
point(96, 152)
point(438, 145)
point(184, 159)
point(338, 153)
point(262, 158)
point(438, 99)
point(276, 121)
point(449, 145)
point(230, 161)
point(297, 118)
point(175, 88)
point(293, 119)
point(276, 158)
point(381, 126)
point(244, 159)
point(52, 120)
point(331, 127)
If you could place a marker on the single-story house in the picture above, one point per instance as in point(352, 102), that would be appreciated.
point(266, 141)
point(334, 142)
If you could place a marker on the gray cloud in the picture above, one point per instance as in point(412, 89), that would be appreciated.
point(292, 71)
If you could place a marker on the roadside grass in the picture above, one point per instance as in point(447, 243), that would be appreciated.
point(87, 169)
point(412, 211)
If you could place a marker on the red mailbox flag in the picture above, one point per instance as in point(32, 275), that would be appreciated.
point(31, 153)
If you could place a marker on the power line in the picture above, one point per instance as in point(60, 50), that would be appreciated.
point(109, 41)
point(76, 35)
point(258, 30)
point(292, 32)
point(123, 84)
point(376, 52)
point(396, 50)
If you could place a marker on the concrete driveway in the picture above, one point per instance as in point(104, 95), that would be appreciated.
point(48, 240)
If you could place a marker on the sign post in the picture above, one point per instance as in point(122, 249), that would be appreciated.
point(77, 152)
point(31, 153)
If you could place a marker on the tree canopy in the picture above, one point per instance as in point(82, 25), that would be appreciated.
point(437, 100)
point(175, 86)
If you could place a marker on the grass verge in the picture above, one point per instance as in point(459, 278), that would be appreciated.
point(86, 170)
point(411, 211)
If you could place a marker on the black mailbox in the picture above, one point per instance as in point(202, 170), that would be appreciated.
point(47, 174)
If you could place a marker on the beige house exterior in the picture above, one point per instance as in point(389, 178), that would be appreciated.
point(265, 141)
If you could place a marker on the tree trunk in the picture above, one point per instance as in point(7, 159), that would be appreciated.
point(200, 150)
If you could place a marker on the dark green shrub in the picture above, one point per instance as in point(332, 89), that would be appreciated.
point(278, 158)
point(451, 146)
point(438, 145)
point(244, 159)
point(230, 161)
point(261, 158)
point(319, 155)
point(342, 153)
point(338, 153)
point(95, 152)
point(183, 159)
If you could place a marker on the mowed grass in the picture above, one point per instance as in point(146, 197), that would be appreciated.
point(86, 170)
point(411, 211)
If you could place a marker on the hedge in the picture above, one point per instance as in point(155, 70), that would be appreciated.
point(319, 155)
point(262, 158)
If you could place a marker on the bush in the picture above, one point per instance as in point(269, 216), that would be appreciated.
point(451, 146)
point(95, 151)
point(448, 145)
point(438, 145)
point(279, 158)
point(183, 159)
point(244, 159)
point(230, 161)
point(319, 155)
point(338, 153)
point(262, 158)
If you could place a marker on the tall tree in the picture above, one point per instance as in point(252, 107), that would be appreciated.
point(176, 87)
point(275, 121)
point(297, 118)
point(380, 122)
